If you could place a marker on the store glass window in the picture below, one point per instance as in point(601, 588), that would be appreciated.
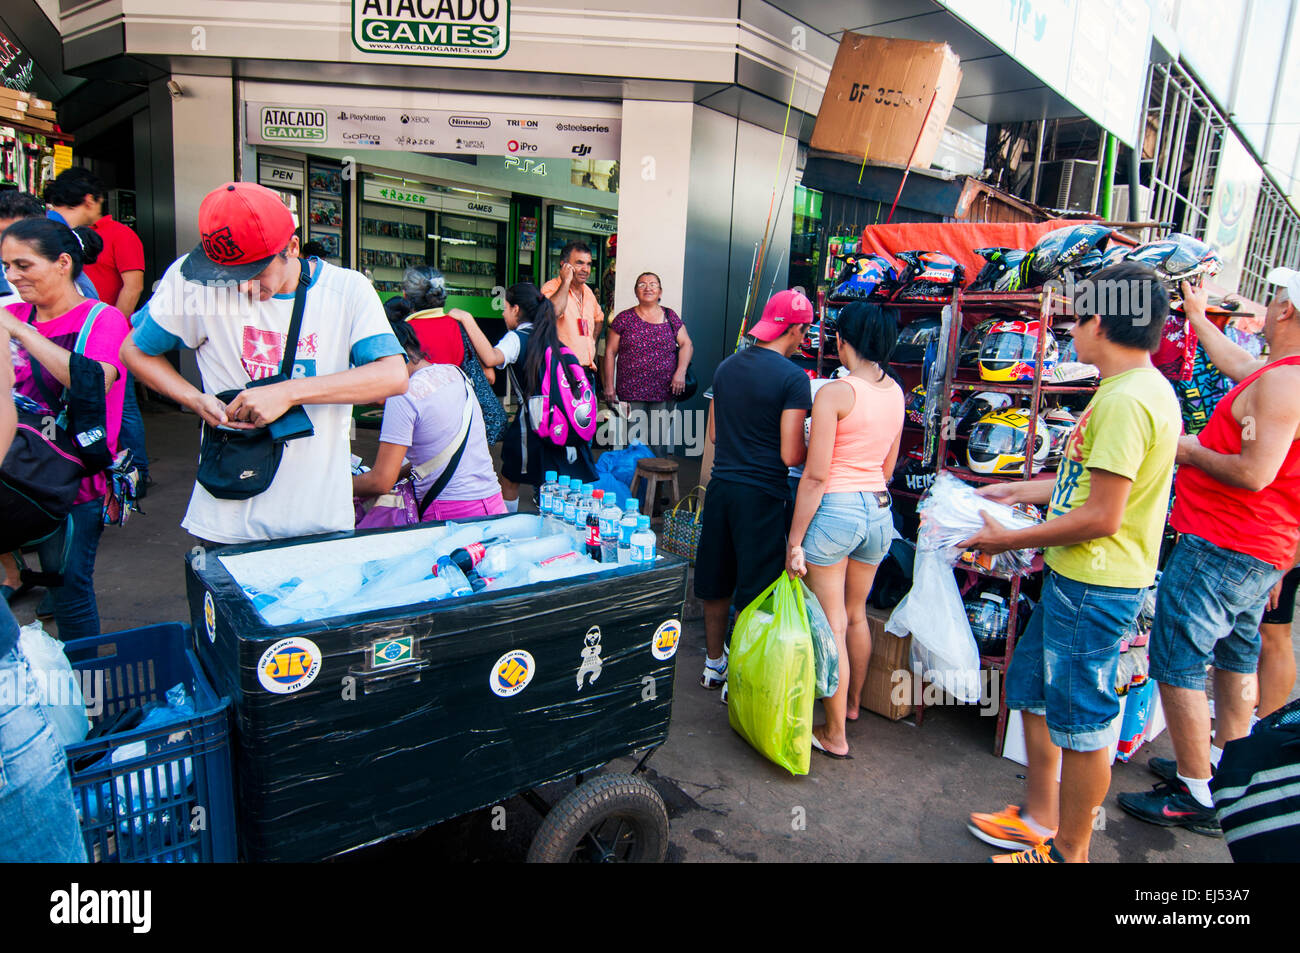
point(805, 239)
point(405, 223)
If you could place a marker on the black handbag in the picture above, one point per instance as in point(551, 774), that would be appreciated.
point(692, 384)
point(54, 448)
point(239, 464)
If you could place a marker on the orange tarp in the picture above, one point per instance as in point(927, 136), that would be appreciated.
point(958, 239)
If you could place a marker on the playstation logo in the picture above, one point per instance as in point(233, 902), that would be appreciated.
point(343, 115)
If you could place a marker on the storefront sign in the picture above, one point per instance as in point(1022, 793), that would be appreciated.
point(442, 131)
point(292, 124)
point(1236, 191)
point(580, 223)
point(283, 175)
point(464, 29)
point(401, 195)
point(478, 207)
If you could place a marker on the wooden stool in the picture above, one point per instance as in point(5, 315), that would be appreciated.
point(654, 470)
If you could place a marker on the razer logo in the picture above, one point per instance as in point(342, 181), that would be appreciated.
point(220, 246)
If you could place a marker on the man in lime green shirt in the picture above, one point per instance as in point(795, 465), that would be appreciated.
point(1107, 506)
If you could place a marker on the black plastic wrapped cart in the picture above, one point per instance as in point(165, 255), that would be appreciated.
point(356, 729)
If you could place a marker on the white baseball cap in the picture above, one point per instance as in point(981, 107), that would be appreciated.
point(1288, 278)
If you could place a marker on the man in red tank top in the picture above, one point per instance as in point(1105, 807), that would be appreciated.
point(1237, 506)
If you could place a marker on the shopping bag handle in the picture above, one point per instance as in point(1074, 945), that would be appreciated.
point(697, 509)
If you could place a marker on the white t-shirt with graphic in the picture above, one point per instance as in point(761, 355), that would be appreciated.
point(236, 340)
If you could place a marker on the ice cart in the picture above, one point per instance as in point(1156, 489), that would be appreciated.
point(360, 727)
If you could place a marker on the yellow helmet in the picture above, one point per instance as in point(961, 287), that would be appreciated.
point(1009, 351)
point(998, 441)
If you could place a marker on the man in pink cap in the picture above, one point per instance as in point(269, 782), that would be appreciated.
point(231, 300)
point(756, 423)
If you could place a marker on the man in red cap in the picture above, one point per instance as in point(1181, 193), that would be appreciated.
point(760, 401)
point(231, 300)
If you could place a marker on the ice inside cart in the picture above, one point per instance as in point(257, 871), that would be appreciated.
point(355, 727)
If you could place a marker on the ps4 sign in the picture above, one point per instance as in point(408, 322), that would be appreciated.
point(472, 29)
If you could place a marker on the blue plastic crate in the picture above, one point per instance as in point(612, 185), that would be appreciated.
point(142, 809)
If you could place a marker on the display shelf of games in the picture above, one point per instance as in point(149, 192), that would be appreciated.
point(327, 212)
point(468, 253)
point(391, 239)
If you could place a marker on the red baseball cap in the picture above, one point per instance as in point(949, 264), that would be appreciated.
point(783, 309)
point(242, 226)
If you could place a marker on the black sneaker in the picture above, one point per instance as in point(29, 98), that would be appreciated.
point(1170, 804)
point(1167, 768)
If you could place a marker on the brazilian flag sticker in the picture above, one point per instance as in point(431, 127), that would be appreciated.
point(389, 652)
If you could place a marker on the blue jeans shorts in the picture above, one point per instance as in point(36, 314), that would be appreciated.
point(1208, 605)
point(1065, 664)
point(857, 525)
point(38, 819)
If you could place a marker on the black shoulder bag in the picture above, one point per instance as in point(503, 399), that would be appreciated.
point(240, 464)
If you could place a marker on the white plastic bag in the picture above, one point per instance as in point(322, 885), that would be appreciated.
point(58, 688)
point(934, 615)
point(951, 511)
point(826, 664)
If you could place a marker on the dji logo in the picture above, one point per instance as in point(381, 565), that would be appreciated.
point(581, 150)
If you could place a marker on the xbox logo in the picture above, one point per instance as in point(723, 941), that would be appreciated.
point(405, 119)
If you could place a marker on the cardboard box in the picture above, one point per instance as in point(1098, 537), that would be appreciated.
point(11, 115)
point(47, 114)
point(877, 97)
point(39, 124)
point(890, 655)
point(13, 99)
point(43, 104)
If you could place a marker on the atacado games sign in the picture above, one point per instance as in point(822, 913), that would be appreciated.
point(293, 125)
point(475, 29)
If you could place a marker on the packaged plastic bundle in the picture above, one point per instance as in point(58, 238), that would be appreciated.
point(951, 511)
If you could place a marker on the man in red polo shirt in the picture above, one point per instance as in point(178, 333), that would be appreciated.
point(118, 273)
point(1237, 506)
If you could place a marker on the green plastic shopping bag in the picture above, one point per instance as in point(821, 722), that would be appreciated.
point(770, 676)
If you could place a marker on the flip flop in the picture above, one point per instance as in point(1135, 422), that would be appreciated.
point(817, 746)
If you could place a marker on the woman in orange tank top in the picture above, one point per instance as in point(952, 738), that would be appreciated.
point(843, 524)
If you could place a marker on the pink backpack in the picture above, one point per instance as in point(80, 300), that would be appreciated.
point(567, 399)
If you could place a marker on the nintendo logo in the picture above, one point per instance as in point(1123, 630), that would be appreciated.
point(470, 122)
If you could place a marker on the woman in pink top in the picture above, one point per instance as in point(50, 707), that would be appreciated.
point(842, 524)
point(42, 260)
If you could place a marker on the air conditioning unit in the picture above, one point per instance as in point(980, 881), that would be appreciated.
point(1067, 184)
point(1119, 203)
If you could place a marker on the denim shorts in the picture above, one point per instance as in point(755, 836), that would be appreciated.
point(849, 524)
point(1208, 605)
point(38, 820)
point(1065, 664)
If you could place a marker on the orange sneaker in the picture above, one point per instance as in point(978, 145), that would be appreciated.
point(1038, 854)
point(1006, 829)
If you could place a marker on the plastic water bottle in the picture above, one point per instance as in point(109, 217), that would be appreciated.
point(626, 527)
point(555, 516)
point(456, 580)
point(585, 507)
point(504, 557)
point(643, 542)
point(594, 548)
point(609, 517)
point(546, 495)
point(570, 514)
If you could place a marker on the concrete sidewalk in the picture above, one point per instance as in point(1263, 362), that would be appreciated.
point(904, 796)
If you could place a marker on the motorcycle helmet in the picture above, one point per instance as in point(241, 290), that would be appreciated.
point(988, 615)
point(1002, 269)
point(977, 406)
point(916, 406)
point(913, 338)
point(968, 351)
point(1059, 249)
point(828, 327)
point(1177, 258)
point(998, 443)
point(1010, 350)
point(1060, 424)
point(912, 475)
point(928, 276)
point(1066, 352)
point(811, 340)
point(864, 275)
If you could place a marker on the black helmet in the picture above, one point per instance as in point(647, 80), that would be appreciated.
point(911, 475)
point(1002, 268)
point(968, 352)
point(928, 276)
point(1178, 258)
point(1059, 249)
point(913, 338)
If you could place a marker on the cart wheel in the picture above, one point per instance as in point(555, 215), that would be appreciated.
point(614, 818)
